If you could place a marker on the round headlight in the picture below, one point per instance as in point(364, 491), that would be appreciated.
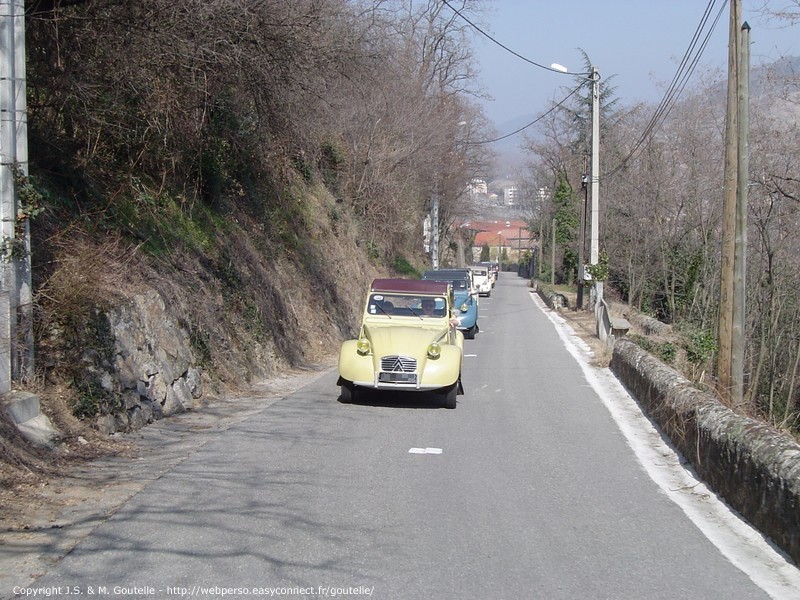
point(434, 350)
point(363, 346)
point(464, 307)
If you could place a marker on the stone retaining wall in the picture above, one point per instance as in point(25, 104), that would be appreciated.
point(755, 468)
point(151, 368)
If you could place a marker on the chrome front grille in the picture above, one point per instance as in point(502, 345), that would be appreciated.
point(398, 364)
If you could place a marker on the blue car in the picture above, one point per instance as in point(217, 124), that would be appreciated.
point(465, 303)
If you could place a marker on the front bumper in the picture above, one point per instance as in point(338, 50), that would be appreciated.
point(429, 374)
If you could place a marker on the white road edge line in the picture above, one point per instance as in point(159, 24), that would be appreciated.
point(737, 540)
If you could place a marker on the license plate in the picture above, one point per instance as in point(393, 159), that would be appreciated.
point(397, 378)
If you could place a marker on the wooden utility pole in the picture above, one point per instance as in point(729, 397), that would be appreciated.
point(740, 246)
point(582, 236)
point(725, 335)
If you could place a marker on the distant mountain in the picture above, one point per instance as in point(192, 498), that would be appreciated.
point(787, 67)
point(774, 89)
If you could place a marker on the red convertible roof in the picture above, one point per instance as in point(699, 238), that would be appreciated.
point(413, 286)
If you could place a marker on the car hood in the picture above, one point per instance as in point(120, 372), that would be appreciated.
point(409, 341)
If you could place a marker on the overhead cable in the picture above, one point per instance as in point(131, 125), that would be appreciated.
point(506, 48)
point(679, 81)
point(536, 120)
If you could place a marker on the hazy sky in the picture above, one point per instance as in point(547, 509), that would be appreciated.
point(641, 42)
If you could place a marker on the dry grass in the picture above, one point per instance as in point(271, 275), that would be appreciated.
point(28, 472)
point(583, 322)
point(88, 273)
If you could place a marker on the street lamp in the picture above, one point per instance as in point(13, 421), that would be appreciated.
point(594, 246)
point(594, 182)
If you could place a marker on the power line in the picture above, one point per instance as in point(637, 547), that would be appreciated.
point(667, 103)
point(504, 47)
point(536, 120)
point(527, 60)
point(678, 83)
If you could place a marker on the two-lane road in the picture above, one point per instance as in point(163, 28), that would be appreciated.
point(529, 489)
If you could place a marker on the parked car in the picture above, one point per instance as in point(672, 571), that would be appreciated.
point(494, 269)
point(406, 342)
point(458, 273)
point(482, 280)
point(465, 303)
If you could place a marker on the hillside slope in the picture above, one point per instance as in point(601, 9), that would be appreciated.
point(247, 309)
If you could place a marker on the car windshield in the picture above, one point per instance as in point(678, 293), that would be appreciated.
point(407, 305)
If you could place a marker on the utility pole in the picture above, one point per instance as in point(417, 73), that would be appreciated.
point(553, 256)
point(730, 179)
point(500, 250)
point(435, 228)
point(16, 309)
point(541, 247)
point(582, 236)
point(740, 246)
point(7, 196)
point(594, 246)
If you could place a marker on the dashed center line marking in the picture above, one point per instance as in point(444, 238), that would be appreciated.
point(425, 451)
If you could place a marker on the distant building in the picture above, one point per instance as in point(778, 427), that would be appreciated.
point(506, 239)
point(477, 187)
point(506, 190)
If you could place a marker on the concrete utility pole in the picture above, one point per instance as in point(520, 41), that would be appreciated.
point(740, 246)
point(500, 250)
point(594, 247)
point(553, 256)
point(16, 337)
point(435, 229)
point(541, 249)
point(730, 179)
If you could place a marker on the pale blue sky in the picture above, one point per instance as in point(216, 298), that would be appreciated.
point(640, 41)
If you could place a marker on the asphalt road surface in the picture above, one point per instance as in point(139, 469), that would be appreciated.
point(534, 487)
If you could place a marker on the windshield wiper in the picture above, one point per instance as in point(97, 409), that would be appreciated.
point(383, 311)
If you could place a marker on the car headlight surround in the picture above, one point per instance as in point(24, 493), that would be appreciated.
point(363, 346)
point(434, 350)
point(464, 307)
